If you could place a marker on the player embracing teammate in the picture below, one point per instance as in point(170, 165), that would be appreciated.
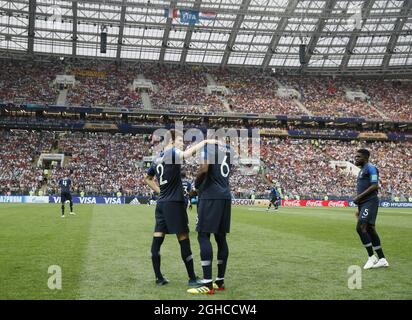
point(214, 208)
point(170, 214)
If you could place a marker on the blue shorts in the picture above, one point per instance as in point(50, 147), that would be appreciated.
point(274, 199)
point(368, 211)
point(213, 215)
point(171, 217)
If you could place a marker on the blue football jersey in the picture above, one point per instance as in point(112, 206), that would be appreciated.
point(368, 176)
point(216, 183)
point(167, 169)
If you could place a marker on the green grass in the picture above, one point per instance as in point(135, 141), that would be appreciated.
point(103, 251)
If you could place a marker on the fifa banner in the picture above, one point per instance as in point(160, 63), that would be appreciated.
point(189, 16)
point(23, 199)
point(90, 200)
point(315, 203)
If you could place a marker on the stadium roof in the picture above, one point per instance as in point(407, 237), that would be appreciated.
point(340, 35)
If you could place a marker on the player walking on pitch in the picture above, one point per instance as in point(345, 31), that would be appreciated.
point(274, 199)
point(65, 186)
point(368, 203)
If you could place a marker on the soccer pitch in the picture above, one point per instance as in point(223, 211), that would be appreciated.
point(104, 253)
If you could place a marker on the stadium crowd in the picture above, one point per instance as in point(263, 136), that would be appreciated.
point(103, 84)
point(252, 91)
point(181, 88)
point(302, 167)
point(394, 161)
point(18, 152)
point(28, 82)
point(106, 163)
point(325, 96)
point(393, 98)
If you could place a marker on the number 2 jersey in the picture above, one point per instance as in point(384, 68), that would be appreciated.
point(167, 169)
point(216, 183)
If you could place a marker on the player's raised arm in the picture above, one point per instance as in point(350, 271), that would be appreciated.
point(203, 168)
point(192, 150)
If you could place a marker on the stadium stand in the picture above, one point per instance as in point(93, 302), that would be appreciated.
point(303, 166)
point(105, 163)
point(19, 151)
point(28, 82)
point(103, 84)
point(182, 89)
point(254, 92)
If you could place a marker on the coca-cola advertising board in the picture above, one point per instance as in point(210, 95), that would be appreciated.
point(315, 203)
